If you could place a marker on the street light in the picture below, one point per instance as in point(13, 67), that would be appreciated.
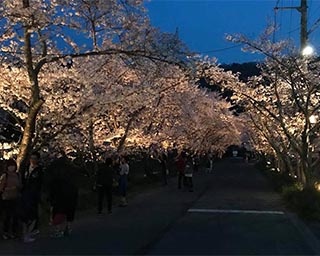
point(307, 51)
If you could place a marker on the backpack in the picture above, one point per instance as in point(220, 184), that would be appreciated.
point(10, 193)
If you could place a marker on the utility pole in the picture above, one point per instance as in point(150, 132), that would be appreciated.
point(304, 24)
point(303, 9)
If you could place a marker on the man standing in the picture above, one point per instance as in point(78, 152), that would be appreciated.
point(31, 195)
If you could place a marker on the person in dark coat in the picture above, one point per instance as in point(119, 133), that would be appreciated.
point(10, 186)
point(181, 167)
point(63, 199)
point(31, 196)
point(104, 181)
point(164, 168)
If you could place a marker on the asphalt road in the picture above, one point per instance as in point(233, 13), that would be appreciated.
point(232, 211)
point(238, 215)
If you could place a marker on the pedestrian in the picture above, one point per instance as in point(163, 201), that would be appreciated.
point(10, 189)
point(123, 180)
point(164, 168)
point(31, 195)
point(63, 199)
point(104, 182)
point(189, 174)
point(209, 163)
point(196, 162)
point(181, 166)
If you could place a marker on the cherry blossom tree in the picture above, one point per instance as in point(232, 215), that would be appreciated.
point(36, 33)
point(283, 104)
point(160, 104)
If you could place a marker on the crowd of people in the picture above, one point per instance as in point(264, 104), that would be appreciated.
point(21, 191)
point(20, 194)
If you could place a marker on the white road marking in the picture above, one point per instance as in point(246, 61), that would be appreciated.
point(234, 211)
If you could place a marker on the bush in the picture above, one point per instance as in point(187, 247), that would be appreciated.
point(306, 202)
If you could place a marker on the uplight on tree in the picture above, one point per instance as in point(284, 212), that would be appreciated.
point(313, 119)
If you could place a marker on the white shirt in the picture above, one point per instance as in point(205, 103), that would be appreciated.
point(124, 169)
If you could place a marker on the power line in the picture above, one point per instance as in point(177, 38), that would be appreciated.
point(222, 49)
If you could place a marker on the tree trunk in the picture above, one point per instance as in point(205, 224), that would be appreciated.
point(28, 133)
point(92, 147)
point(35, 100)
point(125, 135)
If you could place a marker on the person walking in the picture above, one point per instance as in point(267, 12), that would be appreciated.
point(10, 189)
point(63, 199)
point(196, 162)
point(123, 180)
point(104, 181)
point(209, 163)
point(164, 168)
point(31, 195)
point(181, 166)
point(189, 173)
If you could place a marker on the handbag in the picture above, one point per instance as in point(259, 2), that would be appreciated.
point(10, 193)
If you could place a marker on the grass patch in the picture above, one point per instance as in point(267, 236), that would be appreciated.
point(304, 202)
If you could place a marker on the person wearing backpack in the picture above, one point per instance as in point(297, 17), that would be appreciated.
point(10, 188)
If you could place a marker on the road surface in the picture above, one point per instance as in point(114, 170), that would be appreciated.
point(232, 211)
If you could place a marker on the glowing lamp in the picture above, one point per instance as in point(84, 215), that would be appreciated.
point(307, 51)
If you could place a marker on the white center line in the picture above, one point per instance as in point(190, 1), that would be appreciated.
point(234, 211)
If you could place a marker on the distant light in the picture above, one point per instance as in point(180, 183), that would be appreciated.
point(308, 51)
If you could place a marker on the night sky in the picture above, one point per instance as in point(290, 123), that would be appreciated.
point(203, 24)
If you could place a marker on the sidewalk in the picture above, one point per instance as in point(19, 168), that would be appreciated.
point(128, 230)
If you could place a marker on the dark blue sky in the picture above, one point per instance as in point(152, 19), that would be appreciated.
point(203, 23)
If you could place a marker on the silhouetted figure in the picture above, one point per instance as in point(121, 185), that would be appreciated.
point(189, 174)
point(123, 180)
point(31, 196)
point(181, 166)
point(10, 189)
point(104, 185)
point(164, 168)
point(63, 199)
